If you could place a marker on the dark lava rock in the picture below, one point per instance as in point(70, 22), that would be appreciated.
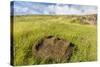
point(51, 47)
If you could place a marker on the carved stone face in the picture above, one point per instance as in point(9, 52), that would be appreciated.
point(52, 47)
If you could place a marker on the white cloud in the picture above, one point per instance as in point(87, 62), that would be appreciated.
point(20, 9)
point(17, 8)
point(65, 9)
point(74, 11)
point(61, 9)
point(91, 11)
point(25, 9)
point(51, 7)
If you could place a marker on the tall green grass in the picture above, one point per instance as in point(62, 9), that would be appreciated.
point(27, 30)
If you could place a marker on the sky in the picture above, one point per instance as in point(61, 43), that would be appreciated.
point(29, 8)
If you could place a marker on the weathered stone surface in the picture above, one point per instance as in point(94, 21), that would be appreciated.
point(53, 48)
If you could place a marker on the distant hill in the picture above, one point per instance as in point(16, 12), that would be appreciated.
point(85, 19)
point(80, 19)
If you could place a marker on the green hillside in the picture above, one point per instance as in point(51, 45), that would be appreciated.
point(27, 30)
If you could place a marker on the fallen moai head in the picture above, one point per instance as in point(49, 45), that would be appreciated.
point(51, 47)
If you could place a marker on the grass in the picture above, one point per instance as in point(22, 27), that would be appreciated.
point(27, 30)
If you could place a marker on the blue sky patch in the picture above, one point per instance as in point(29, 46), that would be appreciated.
point(29, 8)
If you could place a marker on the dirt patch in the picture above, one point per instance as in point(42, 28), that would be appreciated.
point(51, 47)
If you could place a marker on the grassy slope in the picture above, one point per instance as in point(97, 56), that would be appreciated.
point(28, 29)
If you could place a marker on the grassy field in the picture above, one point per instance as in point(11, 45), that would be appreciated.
point(27, 30)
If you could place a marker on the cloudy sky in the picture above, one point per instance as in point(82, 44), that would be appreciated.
point(25, 8)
